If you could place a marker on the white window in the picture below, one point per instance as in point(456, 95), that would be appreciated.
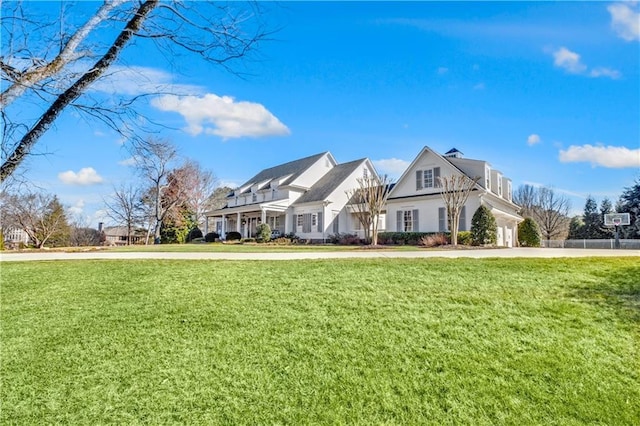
point(487, 173)
point(365, 173)
point(500, 185)
point(407, 221)
point(428, 178)
point(254, 197)
point(314, 219)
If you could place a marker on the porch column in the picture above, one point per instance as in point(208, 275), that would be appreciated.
point(206, 224)
point(286, 223)
point(238, 223)
point(263, 215)
point(223, 228)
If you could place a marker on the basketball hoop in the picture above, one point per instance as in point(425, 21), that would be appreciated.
point(616, 221)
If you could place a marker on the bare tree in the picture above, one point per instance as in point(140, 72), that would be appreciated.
point(199, 185)
point(39, 214)
point(368, 201)
point(154, 160)
point(455, 193)
point(551, 212)
point(49, 62)
point(125, 207)
point(526, 196)
point(82, 234)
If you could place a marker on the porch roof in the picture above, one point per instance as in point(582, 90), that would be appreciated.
point(277, 206)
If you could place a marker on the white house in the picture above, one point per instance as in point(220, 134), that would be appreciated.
point(415, 203)
point(306, 197)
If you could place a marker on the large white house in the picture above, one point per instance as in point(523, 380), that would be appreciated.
point(307, 197)
point(415, 203)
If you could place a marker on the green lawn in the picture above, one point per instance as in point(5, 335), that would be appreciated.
point(250, 248)
point(437, 341)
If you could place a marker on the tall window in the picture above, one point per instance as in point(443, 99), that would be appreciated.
point(428, 178)
point(254, 197)
point(407, 221)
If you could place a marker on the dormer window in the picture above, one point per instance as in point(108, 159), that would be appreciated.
point(487, 174)
point(254, 197)
point(500, 185)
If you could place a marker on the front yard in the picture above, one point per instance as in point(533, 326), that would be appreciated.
point(424, 341)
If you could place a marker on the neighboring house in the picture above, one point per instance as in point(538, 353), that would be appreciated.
point(14, 237)
point(306, 197)
point(415, 203)
point(117, 235)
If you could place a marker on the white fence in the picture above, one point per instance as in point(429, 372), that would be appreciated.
point(592, 244)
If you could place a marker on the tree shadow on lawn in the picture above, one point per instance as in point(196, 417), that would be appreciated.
point(615, 288)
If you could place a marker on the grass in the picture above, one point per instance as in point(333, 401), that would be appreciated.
point(438, 341)
point(248, 248)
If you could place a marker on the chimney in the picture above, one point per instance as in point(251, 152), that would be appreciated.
point(100, 225)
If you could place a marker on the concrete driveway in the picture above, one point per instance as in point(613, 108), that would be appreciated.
point(481, 253)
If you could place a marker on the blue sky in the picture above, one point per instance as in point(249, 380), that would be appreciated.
point(548, 93)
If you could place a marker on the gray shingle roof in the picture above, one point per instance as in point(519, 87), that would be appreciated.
point(294, 168)
point(329, 182)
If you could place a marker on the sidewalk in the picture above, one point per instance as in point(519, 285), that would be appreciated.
point(478, 254)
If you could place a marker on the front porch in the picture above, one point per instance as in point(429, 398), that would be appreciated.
point(246, 219)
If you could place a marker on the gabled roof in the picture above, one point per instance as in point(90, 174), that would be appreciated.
point(293, 169)
point(321, 190)
point(441, 159)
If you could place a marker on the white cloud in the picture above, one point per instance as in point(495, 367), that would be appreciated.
point(604, 72)
point(393, 167)
point(135, 80)
point(78, 208)
point(625, 21)
point(571, 63)
point(222, 116)
point(128, 162)
point(533, 139)
point(615, 157)
point(86, 176)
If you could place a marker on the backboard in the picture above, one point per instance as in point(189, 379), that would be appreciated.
point(616, 219)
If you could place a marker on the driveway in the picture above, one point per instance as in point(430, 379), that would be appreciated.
point(482, 253)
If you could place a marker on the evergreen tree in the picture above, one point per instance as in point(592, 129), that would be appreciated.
point(605, 208)
point(629, 202)
point(576, 228)
point(55, 221)
point(591, 218)
point(528, 233)
point(484, 230)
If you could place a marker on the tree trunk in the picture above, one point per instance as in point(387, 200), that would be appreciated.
point(72, 93)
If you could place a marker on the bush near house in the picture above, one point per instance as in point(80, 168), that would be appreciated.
point(345, 239)
point(233, 236)
point(211, 237)
point(404, 238)
point(484, 230)
point(465, 238)
point(193, 234)
point(263, 233)
point(434, 240)
point(528, 233)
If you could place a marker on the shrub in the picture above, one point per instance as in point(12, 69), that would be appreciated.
point(465, 238)
point(528, 233)
point(402, 238)
point(484, 230)
point(434, 240)
point(263, 232)
point(211, 237)
point(233, 235)
point(193, 234)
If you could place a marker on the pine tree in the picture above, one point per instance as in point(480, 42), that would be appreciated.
point(528, 233)
point(605, 208)
point(591, 219)
point(629, 202)
point(576, 228)
point(484, 230)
